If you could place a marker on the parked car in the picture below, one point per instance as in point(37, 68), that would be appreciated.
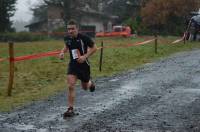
point(124, 31)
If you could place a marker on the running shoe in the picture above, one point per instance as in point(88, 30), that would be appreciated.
point(92, 87)
point(69, 113)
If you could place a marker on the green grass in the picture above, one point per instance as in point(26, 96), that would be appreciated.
point(41, 78)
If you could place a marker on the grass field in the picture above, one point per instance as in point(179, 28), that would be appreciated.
point(41, 78)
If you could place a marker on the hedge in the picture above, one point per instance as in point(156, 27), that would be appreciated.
point(21, 37)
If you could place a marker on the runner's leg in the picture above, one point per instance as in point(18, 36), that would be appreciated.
point(71, 82)
point(86, 85)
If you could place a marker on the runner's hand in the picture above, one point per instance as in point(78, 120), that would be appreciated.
point(61, 55)
point(81, 59)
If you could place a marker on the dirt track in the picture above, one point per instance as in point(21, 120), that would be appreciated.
point(159, 97)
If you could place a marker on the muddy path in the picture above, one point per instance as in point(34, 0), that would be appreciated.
point(157, 97)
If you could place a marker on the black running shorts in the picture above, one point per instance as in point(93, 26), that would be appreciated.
point(82, 71)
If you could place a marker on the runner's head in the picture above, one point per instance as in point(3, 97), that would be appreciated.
point(72, 28)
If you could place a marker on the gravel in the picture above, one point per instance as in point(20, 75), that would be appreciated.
point(163, 96)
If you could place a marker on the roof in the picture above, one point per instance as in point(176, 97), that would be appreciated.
point(36, 23)
point(96, 13)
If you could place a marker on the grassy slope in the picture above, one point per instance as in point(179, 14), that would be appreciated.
point(38, 79)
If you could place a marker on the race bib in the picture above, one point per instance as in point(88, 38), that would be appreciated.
point(75, 53)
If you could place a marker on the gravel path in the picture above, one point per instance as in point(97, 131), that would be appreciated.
point(163, 96)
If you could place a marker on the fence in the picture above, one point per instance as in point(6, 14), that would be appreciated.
point(12, 59)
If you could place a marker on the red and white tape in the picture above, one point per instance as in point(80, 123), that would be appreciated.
point(179, 40)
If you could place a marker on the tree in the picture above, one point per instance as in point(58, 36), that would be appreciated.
point(39, 12)
point(7, 10)
point(134, 23)
point(124, 9)
point(168, 16)
point(69, 7)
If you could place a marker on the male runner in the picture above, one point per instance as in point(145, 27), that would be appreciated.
point(80, 47)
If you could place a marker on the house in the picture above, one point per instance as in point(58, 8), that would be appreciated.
point(52, 22)
point(86, 17)
point(38, 26)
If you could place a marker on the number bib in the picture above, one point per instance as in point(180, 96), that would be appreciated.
point(75, 53)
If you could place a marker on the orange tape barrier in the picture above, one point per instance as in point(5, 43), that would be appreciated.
point(1, 59)
point(128, 45)
point(35, 56)
point(144, 39)
point(55, 53)
point(179, 40)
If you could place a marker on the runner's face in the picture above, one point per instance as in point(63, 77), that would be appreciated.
point(72, 30)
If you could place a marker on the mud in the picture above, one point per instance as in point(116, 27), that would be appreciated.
point(163, 96)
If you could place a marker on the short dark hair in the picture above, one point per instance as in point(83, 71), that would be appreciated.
point(72, 22)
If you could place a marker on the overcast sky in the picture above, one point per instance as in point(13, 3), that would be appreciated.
point(23, 9)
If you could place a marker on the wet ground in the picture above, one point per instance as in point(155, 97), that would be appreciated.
point(163, 96)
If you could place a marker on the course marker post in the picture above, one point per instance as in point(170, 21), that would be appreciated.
point(11, 67)
point(156, 43)
point(101, 57)
point(184, 39)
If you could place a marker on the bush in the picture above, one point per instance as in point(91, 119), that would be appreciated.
point(134, 24)
point(21, 37)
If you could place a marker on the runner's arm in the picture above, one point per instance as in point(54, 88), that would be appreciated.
point(64, 49)
point(62, 52)
point(91, 51)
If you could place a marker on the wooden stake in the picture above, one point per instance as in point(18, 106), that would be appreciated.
point(184, 39)
point(12, 66)
point(101, 57)
point(156, 44)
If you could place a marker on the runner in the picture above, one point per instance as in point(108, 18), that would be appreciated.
point(80, 48)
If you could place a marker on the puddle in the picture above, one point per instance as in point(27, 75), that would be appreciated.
point(2, 117)
point(114, 80)
point(21, 127)
point(124, 92)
